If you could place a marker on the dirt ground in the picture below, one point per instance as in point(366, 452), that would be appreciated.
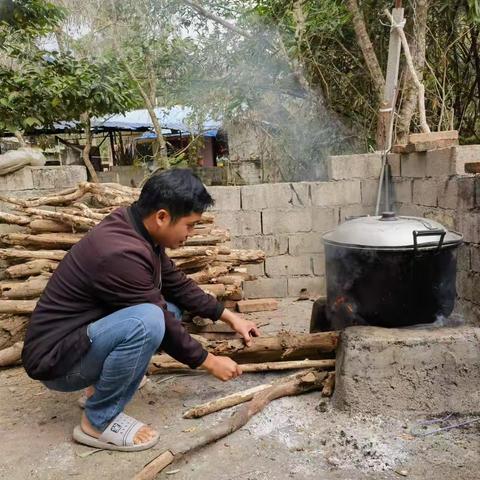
point(293, 438)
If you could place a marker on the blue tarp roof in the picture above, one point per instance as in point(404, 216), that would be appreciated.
point(172, 120)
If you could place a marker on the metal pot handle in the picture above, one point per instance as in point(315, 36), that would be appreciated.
point(428, 233)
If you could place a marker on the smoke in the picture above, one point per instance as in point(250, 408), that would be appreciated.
point(253, 82)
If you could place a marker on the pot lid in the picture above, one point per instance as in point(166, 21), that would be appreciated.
point(391, 232)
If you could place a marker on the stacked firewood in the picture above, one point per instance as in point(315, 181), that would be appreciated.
point(52, 224)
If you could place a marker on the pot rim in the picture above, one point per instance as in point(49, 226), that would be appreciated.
point(403, 248)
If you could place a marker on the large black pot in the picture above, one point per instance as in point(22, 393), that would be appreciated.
point(390, 271)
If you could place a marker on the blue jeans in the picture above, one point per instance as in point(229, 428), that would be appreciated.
point(122, 345)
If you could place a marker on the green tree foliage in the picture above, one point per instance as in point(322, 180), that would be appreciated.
point(39, 86)
point(321, 35)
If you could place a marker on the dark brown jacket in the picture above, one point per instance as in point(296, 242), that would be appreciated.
point(114, 266)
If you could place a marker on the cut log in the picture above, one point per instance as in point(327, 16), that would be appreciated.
point(230, 304)
point(308, 382)
point(17, 254)
point(285, 345)
point(48, 226)
point(207, 218)
point(13, 219)
point(33, 267)
point(237, 257)
point(257, 305)
point(270, 348)
point(188, 252)
point(42, 240)
point(233, 292)
point(193, 263)
point(17, 307)
point(235, 278)
point(472, 167)
point(205, 276)
point(198, 240)
point(12, 329)
point(215, 289)
point(76, 221)
point(328, 385)
point(11, 355)
point(31, 288)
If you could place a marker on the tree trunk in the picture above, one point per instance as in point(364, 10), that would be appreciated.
point(162, 146)
point(410, 90)
point(85, 118)
point(366, 46)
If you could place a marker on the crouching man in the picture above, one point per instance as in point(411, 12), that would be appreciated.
point(114, 301)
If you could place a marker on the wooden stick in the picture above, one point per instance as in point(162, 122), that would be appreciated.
point(291, 365)
point(55, 199)
point(11, 355)
point(310, 381)
point(165, 364)
point(150, 470)
point(235, 398)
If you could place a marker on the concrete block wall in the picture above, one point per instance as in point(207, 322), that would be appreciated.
point(434, 185)
point(287, 221)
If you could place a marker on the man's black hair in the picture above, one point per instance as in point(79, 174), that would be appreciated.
point(179, 191)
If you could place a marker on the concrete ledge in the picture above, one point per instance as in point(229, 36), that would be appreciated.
point(424, 371)
point(346, 167)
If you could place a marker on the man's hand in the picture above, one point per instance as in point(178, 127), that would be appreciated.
point(246, 328)
point(223, 368)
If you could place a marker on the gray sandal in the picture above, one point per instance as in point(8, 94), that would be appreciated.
point(118, 435)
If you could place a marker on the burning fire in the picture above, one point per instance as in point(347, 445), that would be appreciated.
point(341, 302)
